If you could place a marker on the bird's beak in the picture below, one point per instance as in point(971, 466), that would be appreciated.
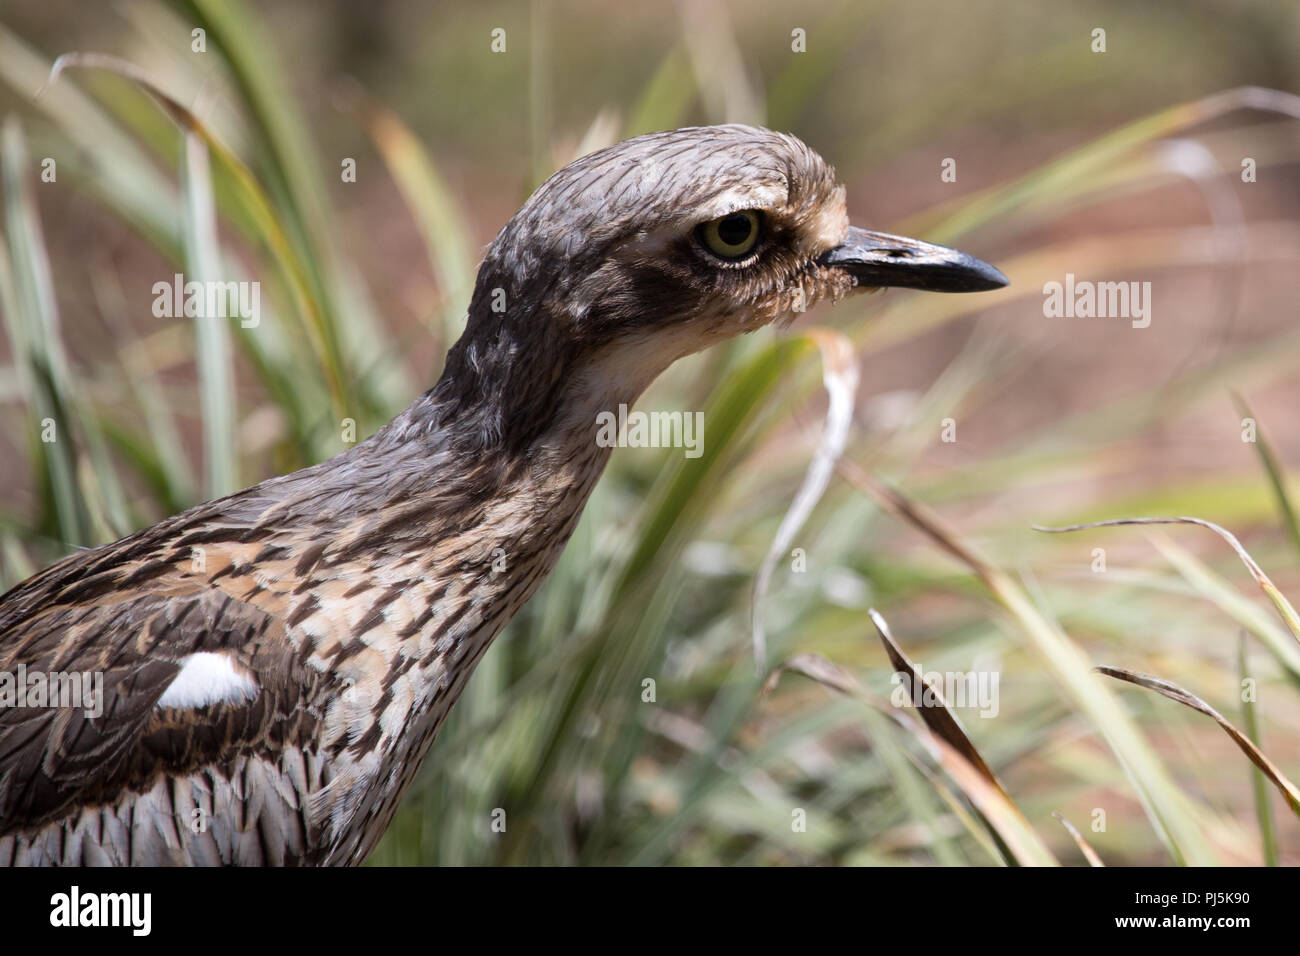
point(879, 259)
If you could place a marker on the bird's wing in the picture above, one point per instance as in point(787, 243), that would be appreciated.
point(137, 626)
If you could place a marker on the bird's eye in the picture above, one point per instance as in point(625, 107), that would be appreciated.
point(732, 236)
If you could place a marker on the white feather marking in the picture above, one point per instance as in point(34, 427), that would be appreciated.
point(208, 678)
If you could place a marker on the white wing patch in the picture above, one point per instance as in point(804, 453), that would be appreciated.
point(208, 678)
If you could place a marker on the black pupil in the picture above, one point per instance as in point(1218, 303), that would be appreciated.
point(734, 230)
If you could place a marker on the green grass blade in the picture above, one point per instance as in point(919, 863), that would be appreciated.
point(436, 212)
point(1258, 783)
point(211, 332)
point(33, 328)
point(1276, 477)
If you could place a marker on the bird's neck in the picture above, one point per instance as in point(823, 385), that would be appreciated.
point(476, 488)
point(498, 460)
point(517, 395)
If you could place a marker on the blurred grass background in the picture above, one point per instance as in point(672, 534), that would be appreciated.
point(1067, 161)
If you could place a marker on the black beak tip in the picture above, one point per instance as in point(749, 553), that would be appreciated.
point(982, 277)
point(880, 260)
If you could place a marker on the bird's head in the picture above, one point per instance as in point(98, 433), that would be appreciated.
point(662, 245)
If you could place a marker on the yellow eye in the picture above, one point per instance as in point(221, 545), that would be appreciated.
point(732, 236)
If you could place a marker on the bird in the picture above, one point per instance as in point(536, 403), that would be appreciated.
point(277, 663)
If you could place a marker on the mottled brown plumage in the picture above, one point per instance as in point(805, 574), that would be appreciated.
point(276, 663)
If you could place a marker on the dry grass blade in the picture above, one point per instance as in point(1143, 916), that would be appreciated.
point(255, 201)
point(819, 669)
point(1017, 839)
point(1168, 809)
point(840, 377)
point(920, 517)
point(1266, 585)
point(431, 201)
point(1088, 852)
point(1185, 697)
point(1240, 607)
point(124, 68)
point(939, 719)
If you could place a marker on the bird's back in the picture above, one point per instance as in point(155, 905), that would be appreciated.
point(275, 664)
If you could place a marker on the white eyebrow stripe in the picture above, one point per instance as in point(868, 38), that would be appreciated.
point(746, 196)
point(208, 678)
